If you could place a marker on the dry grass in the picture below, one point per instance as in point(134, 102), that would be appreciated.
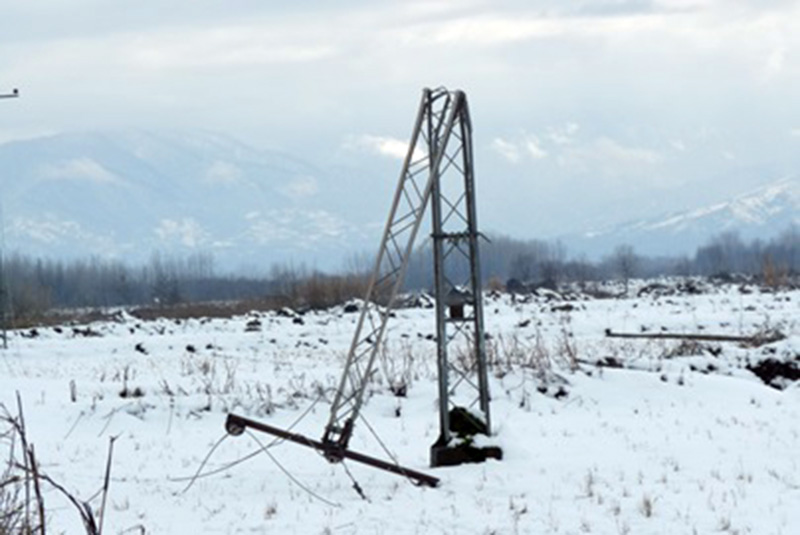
point(316, 292)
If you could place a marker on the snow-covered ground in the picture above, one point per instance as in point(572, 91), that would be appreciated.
point(681, 438)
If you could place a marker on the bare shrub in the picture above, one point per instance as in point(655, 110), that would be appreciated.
point(13, 517)
point(567, 348)
point(775, 275)
point(536, 360)
point(22, 506)
point(398, 368)
point(495, 284)
point(646, 506)
point(323, 291)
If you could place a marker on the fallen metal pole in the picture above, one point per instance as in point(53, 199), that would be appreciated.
point(699, 337)
point(235, 425)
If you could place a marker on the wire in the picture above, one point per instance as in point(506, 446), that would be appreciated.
point(289, 474)
point(378, 438)
point(386, 448)
point(219, 470)
point(275, 442)
point(356, 486)
point(205, 460)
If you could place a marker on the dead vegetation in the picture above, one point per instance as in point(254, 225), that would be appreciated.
point(23, 484)
point(315, 292)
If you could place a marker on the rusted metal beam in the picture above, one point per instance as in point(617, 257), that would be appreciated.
point(235, 425)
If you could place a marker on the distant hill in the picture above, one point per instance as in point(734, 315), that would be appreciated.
point(760, 213)
point(126, 194)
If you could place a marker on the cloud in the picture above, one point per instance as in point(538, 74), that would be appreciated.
point(498, 28)
point(298, 77)
point(384, 146)
point(514, 150)
point(564, 134)
point(608, 157)
point(186, 231)
point(80, 169)
point(775, 62)
point(678, 145)
point(300, 187)
point(534, 148)
point(506, 149)
point(483, 30)
point(223, 173)
point(226, 46)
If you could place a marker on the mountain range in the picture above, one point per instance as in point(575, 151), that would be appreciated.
point(127, 194)
point(760, 213)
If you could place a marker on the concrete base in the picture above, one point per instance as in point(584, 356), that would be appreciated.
point(463, 453)
point(464, 425)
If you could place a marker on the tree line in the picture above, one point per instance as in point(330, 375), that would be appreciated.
point(30, 286)
point(548, 263)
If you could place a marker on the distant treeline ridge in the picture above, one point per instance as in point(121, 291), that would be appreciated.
point(29, 286)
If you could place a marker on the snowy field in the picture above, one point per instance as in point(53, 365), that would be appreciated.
point(663, 437)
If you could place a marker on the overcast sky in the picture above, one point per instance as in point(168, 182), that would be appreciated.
point(599, 105)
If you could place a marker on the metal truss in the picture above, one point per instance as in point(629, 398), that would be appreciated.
point(437, 170)
point(461, 348)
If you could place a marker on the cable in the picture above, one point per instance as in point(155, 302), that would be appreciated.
point(205, 460)
point(215, 471)
point(380, 441)
point(289, 474)
point(356, 486)
point(276, 441)
point(385, 448)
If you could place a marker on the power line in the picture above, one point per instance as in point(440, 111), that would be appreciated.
point(200, 474)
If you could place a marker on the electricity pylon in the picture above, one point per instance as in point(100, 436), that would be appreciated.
point(437, 171)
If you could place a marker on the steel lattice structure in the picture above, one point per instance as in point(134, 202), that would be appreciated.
point(437, 170)
point(463, 384)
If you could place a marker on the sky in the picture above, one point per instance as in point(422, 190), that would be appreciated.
point(583, 111)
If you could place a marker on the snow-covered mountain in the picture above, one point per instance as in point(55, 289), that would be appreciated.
point(126, 194)
point(760, 213)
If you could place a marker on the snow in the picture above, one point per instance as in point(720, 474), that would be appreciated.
point(669, 443)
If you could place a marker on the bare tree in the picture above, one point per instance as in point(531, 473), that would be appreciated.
point(626, 263)
point(523, 267)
